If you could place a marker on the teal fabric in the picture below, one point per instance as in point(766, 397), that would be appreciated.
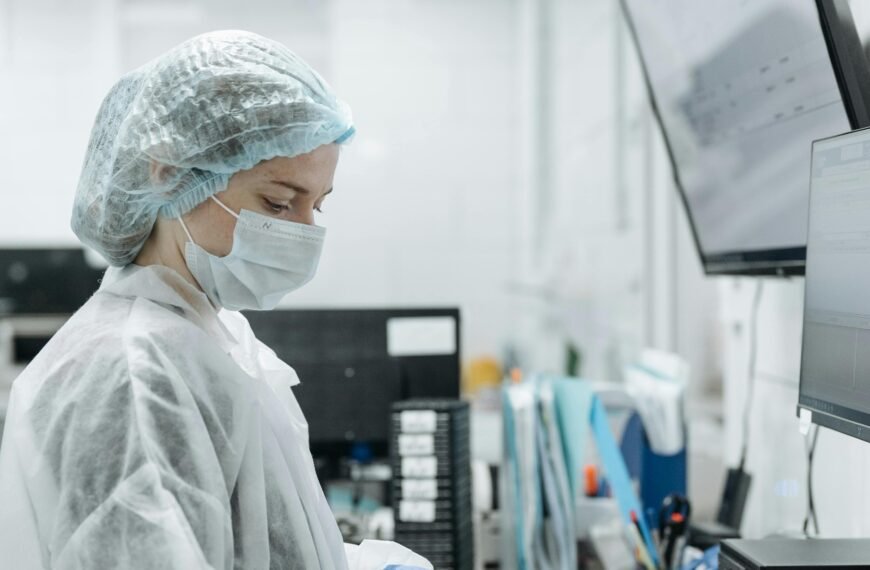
point(573, 412)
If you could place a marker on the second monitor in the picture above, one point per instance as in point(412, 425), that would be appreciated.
point(354, 363)
point(835, 359)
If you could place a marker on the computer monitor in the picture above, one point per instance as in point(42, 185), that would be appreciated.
point(354, 363)
point(835, 359)
point(740, 90)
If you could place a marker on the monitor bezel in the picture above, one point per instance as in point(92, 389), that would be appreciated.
point(853, 80)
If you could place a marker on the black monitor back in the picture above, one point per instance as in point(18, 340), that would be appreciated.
point(39, 281)
point(348, 377)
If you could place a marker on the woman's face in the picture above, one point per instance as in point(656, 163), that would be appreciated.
point(284, 188)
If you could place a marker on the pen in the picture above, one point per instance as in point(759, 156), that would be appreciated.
point(641, 551)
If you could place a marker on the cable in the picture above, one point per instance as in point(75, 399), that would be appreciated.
point(811, 503)
point(750, 384)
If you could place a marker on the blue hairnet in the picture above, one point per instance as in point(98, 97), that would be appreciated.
point(171, 133)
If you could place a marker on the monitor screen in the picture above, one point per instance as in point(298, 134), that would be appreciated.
point(741, 89)
point(835, 360)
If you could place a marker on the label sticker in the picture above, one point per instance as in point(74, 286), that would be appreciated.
point(419, 467)
point(419, 489)
point(414, 444)
point(417, 511)
point(418, 421)
point(421, 336)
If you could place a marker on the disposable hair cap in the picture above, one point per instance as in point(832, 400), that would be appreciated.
point(170, 134)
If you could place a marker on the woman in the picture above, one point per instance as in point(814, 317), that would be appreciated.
point(155, 430)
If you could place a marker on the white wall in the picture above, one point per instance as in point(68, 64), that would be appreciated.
point(52, 77)
point(425, 202)
point(615, 268)
point(612, 265)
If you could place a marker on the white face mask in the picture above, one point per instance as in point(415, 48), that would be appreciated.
point(269, 259)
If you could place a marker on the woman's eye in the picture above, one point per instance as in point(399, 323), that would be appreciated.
point(275, 207)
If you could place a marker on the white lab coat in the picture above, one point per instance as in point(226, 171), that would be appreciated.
point(153, 432)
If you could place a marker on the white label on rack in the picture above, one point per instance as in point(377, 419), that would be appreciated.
point(419, 467)
point(411, 444)
point(418, 421)
point(417, 511)
point(420, 489)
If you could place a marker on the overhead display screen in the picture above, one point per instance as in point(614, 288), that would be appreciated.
point(741, 90)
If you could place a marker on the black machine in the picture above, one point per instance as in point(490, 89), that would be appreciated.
point(835, 360)
point(47, 283)
point(355, 363)
point(793, 554)
point(431, 486)
point(740, 90)
point(41, 281)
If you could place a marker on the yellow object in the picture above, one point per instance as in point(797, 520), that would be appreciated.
point(482, 372)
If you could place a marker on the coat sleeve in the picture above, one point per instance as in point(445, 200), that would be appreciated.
point(19, 538)
point(138, 472)
point(146, 524)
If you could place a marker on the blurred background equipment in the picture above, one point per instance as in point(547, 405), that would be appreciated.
point(355, 363)
point(354, 366)
point(39, 289)
point(432, 486)
point(43, 281)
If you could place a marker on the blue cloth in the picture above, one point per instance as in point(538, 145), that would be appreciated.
point(709, 560)
point(657, 475)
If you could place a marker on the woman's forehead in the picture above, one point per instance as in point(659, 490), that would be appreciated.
point(312, 171)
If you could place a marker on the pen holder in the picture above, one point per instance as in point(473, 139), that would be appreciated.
point(656, 476)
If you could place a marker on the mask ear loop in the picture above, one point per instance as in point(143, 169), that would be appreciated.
point(221, 204)
point(184, 227)
point(224, 206)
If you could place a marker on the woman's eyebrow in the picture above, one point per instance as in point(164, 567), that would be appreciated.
point(299, 189)
point(290, 186)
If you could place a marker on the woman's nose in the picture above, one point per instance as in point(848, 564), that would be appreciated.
point(304, 216)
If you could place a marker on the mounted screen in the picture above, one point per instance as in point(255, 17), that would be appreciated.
point(741, 89)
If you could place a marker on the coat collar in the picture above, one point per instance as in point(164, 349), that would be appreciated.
point(165, 286)
point(230, 329)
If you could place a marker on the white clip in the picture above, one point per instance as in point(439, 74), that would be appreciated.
point(806, 418)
